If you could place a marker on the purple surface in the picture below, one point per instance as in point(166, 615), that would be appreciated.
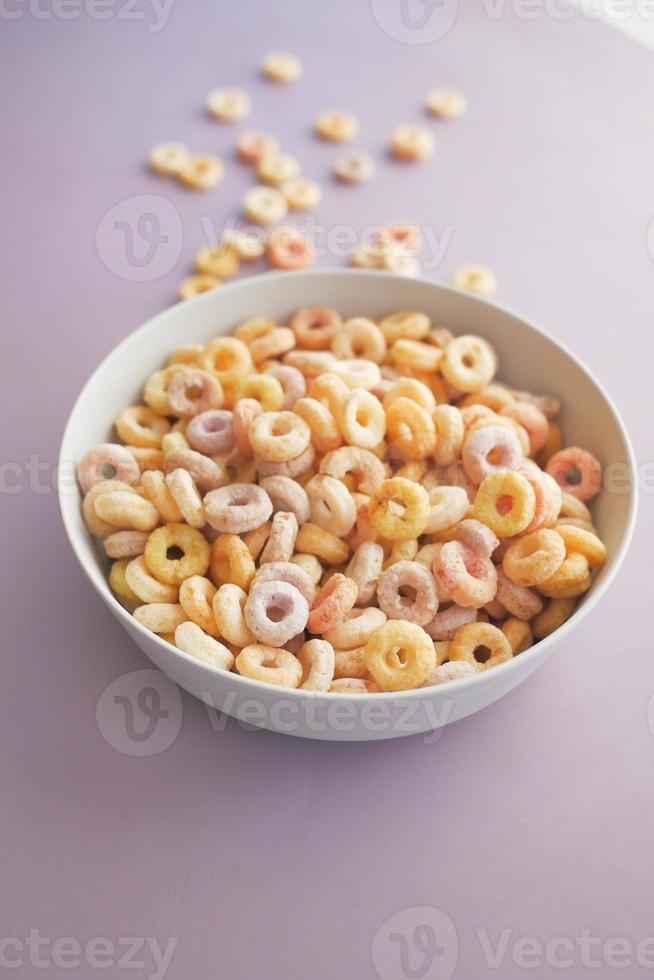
point(267, 856)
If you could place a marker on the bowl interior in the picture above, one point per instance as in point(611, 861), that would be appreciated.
point(528, 358)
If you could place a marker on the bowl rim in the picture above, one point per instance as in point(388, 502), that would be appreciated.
point(536, 651)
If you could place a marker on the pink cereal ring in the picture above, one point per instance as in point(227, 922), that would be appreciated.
point(548, 496)
point(108, 461)
point(287, 495)
point(577, 471)
point(469, 579)
point(238, 508)
point(317, 659)
point(126, 544)
point(454, 671)
point(246, 411)
point(521, 602)
point(332, 604)
point(445, 624)
point(315, 326)
point(207, 474)
point(286, 571)
point(350, 663)
point(477, 536)
point(532, 419)
point(353, 685)
point(192, 391)
point(489, 449)
point(275, 612)
point(281, 540)
point(212, 432)
point(292, 382)
point(420, 605)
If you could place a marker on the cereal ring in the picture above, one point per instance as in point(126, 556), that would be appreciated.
point(237, 508)
point(291, 467)
point(314, 540)
point(410, 430)
point(315, 326)
point(446, 673)
point(126, 510)
point(251, 146)
point(553, 442)
point(145, 586)
point(548, 496)
point(310, 565)
point(263, 389)
point(336, 127)
point(325, 434)
point(521, 602)
point(332, 604)
point(406, 590)
point(399, 509)
point(190, 638)
point(275, 342)
point(196, 595)
point(519, 635)
point(141, 427)
point(445, 624)
point(586, 543)
point(530, 418)
point(357, 373)
point(282, 571)
point(97, 527)
point(331, 504)
point(409, 324)
point(229, 104)
point(301, 193)
point(275, 611)
point(572, 506)
point(107, 461)
point(265, 206)
point(160, 617)
point(118, 583)
point(447, 506)
point(270, 665)
point(207, 474)
point(228, 604)
point(350, 663)
point(489, 640)
point(277, 168)
point(554, 615)
point(468, 363)
point(155, 489)
point(245, 411)
point(148, 459)
point(535, 557)
point(292, 382)
point(359, 337)
point(231, 561)
point(548, 404)
point(287, 249)
point(317, 660)
point(576, 471)
point(202, 172)
point(228, 358)
point(354, 167)
point(401, 551)
point(488, 450)
point(413, 390)
point(169, 158)
point(279, 436)
point(353, 685)
point(400, 655)
point(220, 261)
point(310, 363)
point(184, 492)
point(506, 502)
point(416, 355)
point(475, 278)
point(571, 579)
point(195, 550)
point(356, 629)
point(125, 544)
point(478, 537)
point(468, 578)
point(365, 568)
point(361, 419)
point(281, 540)
point(280, 66)
point(195, 285)
point(211, 432)
point(446, 103)
point(411, 142)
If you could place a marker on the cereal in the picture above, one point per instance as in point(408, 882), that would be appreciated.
point(228, 605)
point(468, 578)
point(489, 449)
point(194, 548)
point(196, 595)
point(317, 660)
point(336, 127)
point(277, 168)
point(281, 540)
point(202, 172)
point(160, 617)
point(476, 279)
point(231, 561)
point(411, 142)
point(365, 568)
point(237, 508)
point(301, 193)
point(480, 637)
point(314, 540)
point(554, 615)
point(211, 432)
point(535, 557)
point(126, 510)
point(185, 493)
point(521, 602)
point(399, 509)
point(315, 326)
point(169, 158)
point(361, 419)
point(333, 602)
point(400, 655)
point(265, 205)
point(275, 612)
point(207, 474)
point(107, 461)
point(577, 472)
point(331, 504)
point(141, 427)
point(446, 103)
point(288, 572)
point(359, 337)
point(287, 249)
point(468, 363)
point(220, 261)
point(252, 146)
point(420, 605)
point(190, 638)
point(192, 391)
point(125, 544)
point(518, 633)
point(279, 66)
point(447, 622)
point(264, 389)
point(353, 685)
point(118, 582)
point(505, 501)
point(356, 629)
point(354, 167)
point(145, 586)
point(194, 285)
point(229, 104)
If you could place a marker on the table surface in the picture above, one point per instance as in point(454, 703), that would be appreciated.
point(262, 855)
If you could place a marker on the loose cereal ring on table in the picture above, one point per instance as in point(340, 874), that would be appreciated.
point(342, 505)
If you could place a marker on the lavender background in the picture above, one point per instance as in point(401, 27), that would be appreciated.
point(267, 856)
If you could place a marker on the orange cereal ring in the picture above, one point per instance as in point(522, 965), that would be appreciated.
point(410, 388)
point(314, 540)
point(317, 660)
point(506, 502)
point(228, 609)
point(481, 639)
point(571, 579)
point(519, 634)
point(263, 388)
point(553, 443)
point(155, 393)
point(228, 358)
point(350, 663)
point(196, 595)
point(194, 547)
point(142, 582)
point(276, 342)
point(359, 337)
point(231, 561)
point(96, 526)
point(270, 665)
point(156, 490)
point(245, 411)
point(554, 615)
point(400, 655)
point(399, 509)
point(468, 363)
point(578, 539)
point(332, 604)
point(141, 427)
point(535, 557)
point(576, 471)
point(410, 324)
point(356, 628)
point(449, 434)
point(160, 617)
point(314, 327)
point(325, 433)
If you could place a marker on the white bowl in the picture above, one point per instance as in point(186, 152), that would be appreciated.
point(529, 359)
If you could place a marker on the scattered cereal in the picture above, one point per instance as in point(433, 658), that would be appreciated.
point(476, 278)
point(446, 103)
point(279, 66)
point(336, 127)
point(229, 104)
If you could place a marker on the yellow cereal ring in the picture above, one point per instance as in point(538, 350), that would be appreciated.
point(405, 324)
point(269, 664)
point(263, 388)
point(399, 655)
point(571, 579)
point(118, 582)
point(518, 633)
point(160, 617)
point(229, 359)
point(470, 638)
point(410, 430)
point(468, 363)
point(535, 557)
point(553, 616)
point(386, 514)
point(195, 549)
point(142, 427)
point(577, 539)
point(196, 596)
point(314, 540)
point(506, 502)
point(231, 561)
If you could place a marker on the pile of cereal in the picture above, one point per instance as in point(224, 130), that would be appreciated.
point(343, 505)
